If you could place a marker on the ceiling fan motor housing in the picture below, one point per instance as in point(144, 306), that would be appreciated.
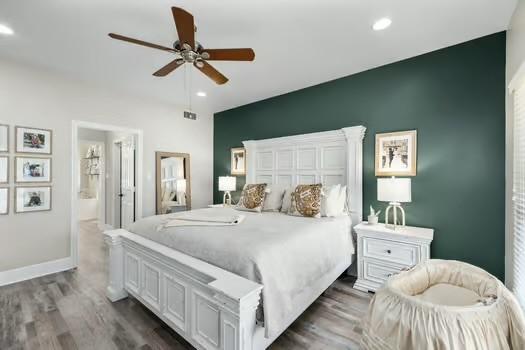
point(189, 55)
point(177, 46)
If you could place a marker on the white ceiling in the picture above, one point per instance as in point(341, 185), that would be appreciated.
point(298, 43)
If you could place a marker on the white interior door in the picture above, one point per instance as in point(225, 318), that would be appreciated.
point(127, 182)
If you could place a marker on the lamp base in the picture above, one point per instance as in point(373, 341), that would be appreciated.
point(227, 198)
point(395, 206)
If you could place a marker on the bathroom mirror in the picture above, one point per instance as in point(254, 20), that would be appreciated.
point(173, 182)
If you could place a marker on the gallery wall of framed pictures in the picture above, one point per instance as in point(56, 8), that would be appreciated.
point(32, 169)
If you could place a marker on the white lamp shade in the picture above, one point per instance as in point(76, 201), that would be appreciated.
point(181, 185)
point(394, 190)
point(227, 183)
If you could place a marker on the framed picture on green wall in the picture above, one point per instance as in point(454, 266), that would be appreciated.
point(238, 161)
point(396, 153)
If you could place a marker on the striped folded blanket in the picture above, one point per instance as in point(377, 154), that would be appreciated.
point(203, 219)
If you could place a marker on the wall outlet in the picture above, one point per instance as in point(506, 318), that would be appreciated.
point(190, 115)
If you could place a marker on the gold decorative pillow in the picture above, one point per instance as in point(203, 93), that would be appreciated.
point(306, 201)
point(252, 197)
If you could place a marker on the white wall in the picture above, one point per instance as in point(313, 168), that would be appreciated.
point(515, 58)
point(36, 98)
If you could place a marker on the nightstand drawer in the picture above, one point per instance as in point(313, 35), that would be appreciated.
point(396, 252)
point(378, 272)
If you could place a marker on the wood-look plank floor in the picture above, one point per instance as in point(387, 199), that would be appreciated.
point(69, 310)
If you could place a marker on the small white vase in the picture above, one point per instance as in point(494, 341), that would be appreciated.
point(373, 219)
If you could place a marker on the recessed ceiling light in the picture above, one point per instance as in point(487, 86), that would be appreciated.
point(201, 94)
point(382, 23)
point(5, 30)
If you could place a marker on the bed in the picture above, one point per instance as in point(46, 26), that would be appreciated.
point(241, 286)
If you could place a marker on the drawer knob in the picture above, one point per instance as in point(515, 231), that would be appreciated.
point(389, 251)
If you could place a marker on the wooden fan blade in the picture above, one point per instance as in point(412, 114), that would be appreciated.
point(139, 42)
point(230, 54)
point(167, 69)
point(185, 26)
point(212, 73)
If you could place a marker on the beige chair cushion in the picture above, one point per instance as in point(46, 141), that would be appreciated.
point(449, 295)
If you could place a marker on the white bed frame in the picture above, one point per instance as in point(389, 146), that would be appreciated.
point(210, 307)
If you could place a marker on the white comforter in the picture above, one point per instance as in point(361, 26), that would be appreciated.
point(286, 254)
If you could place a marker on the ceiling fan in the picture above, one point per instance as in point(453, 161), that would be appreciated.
point(188, 50)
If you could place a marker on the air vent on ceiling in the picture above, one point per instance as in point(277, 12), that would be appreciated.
point(190, 115)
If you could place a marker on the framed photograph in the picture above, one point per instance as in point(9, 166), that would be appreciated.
point(4, 169)
point(30, 199)
point(396, 153)
point(238, 161)
point(31, 140)
point(32, 169)
point(4, 200)
point(4, 138)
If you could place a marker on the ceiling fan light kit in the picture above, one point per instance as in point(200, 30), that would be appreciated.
point(188, 50)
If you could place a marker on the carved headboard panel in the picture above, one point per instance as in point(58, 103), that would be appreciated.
point(329, 157)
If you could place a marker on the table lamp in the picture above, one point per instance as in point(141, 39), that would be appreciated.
point(395, 191)
point(227, 184)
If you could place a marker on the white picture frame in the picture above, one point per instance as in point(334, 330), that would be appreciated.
point(4, 200)
point(33, 140)
point(32, 199)
point(32, 169)
point(4, 169)
point(396, 153)
point(4, 138)
point(238, 161)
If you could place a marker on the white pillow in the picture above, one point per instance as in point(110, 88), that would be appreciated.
point(274, 197)
point(333, 200)
point(287, 200)
point(343, 197)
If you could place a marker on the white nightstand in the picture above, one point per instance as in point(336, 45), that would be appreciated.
point(215, 205)
point(382, 252)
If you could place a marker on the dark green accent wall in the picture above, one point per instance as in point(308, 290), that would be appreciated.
point(454, 97)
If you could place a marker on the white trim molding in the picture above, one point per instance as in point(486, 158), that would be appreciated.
point(328, 157)
point(518, 79)
point(34, 271)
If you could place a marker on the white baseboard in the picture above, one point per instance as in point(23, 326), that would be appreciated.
point(34, 271)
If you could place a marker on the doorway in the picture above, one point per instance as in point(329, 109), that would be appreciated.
point(106, 182)
point(92, 186)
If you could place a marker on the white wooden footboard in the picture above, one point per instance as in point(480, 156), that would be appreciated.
point(208, 306)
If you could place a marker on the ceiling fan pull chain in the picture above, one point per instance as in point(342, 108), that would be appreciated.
point(185, 77)
point(190, 88)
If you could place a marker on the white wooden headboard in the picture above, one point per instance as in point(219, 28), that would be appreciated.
point(329, 157)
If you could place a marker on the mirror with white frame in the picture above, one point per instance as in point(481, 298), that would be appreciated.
point(173, 182)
